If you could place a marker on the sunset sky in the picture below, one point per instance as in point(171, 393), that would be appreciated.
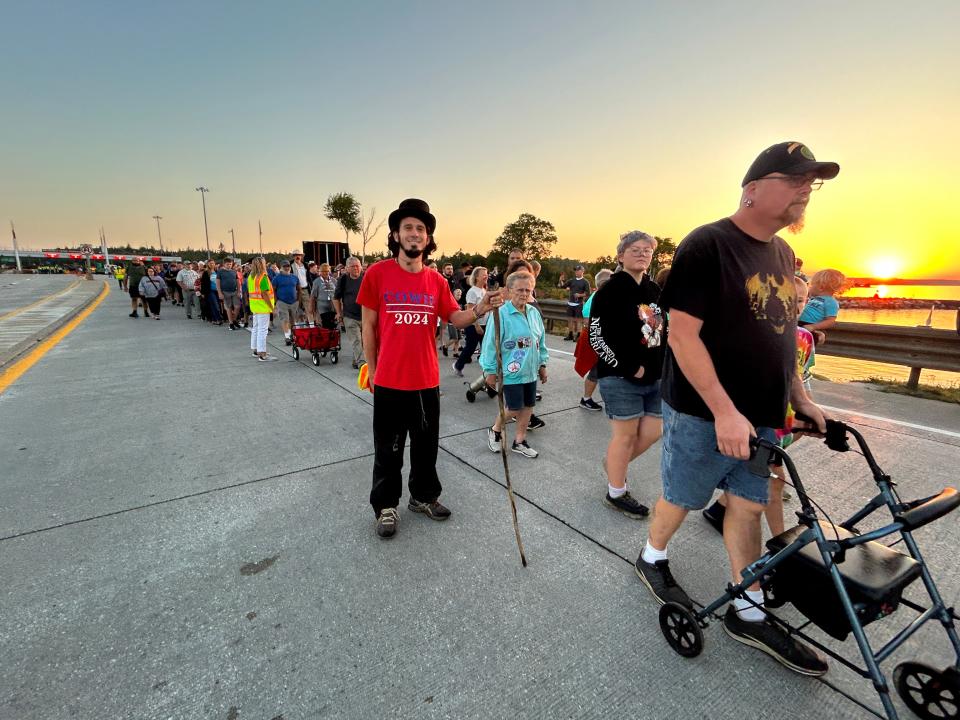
point(600, 117)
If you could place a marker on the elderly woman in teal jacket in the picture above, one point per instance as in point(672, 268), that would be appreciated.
point(524, 360)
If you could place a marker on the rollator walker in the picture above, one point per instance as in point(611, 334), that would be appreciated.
point(842, 580)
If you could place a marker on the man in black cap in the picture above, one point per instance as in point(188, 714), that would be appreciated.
point(730, 368)
point(578, 288)
point(401, 301)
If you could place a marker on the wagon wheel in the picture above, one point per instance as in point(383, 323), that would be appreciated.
point(681, 630)
point(316, 359)
point(296, 352)
point(334, 357)
point(929, 693)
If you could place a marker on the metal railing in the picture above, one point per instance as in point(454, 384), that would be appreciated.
point(915, 347)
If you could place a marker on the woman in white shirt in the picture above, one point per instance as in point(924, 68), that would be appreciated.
point(474, 332)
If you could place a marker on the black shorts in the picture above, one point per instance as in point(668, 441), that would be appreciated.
point(517, 397)
point(575, 311)
point(134, 292)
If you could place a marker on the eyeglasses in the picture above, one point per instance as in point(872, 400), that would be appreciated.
point(635, 250)
point(796, 181)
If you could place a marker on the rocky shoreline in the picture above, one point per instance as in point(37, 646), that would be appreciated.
point(896, 304)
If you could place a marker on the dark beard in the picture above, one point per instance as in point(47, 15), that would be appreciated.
point(411, 254)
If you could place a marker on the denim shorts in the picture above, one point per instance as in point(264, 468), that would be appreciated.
point(628, 399)
point(691, 466)
point(517, 397)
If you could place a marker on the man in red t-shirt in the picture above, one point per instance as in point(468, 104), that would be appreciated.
point(401, 300)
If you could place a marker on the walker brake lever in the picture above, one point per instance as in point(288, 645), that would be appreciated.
point(836, 436)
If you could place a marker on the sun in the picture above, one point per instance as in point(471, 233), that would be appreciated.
point(884, 268)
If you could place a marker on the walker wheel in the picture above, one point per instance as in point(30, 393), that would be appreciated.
point(334, 357)
point(316, 359)
point(929, 693)
point(296, 352)
point(681, 630)
point(471, 396)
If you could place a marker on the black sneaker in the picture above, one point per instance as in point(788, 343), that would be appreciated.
point(134, 314)
point(387, 522)
point(569, 337)
point(659, 581)
point(446, 353)
point(535, 423)
point(433, 510)
point(714, 515)
point(627, 505)
point(521, 448)
point(590, 404)
point(775, 642)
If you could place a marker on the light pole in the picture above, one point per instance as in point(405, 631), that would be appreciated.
point(203, 197)
point(158, 218)
point(234, 240)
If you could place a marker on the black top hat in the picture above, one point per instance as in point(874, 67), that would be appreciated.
point(412, 207)
point(789, 158)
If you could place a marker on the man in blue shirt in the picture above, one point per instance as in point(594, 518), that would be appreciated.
point(285, 285)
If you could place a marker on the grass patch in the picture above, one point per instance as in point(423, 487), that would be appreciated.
point(930, 392)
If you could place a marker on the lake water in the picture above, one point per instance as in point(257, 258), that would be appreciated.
point(847, 369)
point(911, 292)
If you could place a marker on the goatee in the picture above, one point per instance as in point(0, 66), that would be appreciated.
point(797, 225)
point(411, 254)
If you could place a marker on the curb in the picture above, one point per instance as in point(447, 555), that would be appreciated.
point(25, 346)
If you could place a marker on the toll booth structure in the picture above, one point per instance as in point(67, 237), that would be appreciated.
point(334, 253)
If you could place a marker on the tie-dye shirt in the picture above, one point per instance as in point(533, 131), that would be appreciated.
point(804, 360)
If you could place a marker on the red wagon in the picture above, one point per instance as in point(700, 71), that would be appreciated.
point(318, 341)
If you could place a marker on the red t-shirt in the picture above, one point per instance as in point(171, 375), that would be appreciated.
point(408, 305)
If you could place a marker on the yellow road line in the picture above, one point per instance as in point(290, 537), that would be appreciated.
point(13, 373)
point(51, 296)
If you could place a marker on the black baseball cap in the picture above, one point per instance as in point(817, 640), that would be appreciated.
point(789, 158)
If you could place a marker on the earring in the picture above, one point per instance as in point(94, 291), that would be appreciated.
point(748, 202)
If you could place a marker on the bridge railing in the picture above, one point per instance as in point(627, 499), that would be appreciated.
point(913, 347)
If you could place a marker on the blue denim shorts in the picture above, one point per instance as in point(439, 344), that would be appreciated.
point(628, 399)
point(691, 466)
point(517, 397)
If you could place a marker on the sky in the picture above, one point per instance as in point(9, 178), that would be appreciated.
point(599, 117)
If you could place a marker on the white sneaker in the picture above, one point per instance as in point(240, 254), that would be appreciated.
point(523, 449)
point(493, 440)
point(456, 371)
point(266, 358)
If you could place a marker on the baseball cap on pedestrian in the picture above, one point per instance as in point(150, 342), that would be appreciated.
point(579, 267)
point(412, 207)
point(285, 263)
point(789, 158)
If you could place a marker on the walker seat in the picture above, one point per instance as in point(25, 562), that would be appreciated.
point(873, 574)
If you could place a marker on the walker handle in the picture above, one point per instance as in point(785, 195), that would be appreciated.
point(836, 436)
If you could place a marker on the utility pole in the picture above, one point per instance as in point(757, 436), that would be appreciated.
point(16, 250)
point(234, 239)
point(203, 197)
point(159, 237)
point(260, 228)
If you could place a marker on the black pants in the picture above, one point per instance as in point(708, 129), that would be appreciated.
point(471, 340)
point(396, 413)
point(154, 304)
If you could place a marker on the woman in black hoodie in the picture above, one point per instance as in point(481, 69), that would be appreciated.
point(627, 332)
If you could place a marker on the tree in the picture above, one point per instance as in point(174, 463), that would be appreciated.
point(663, 256)
point(344, 209)
point(368, 231)
point(534, 236)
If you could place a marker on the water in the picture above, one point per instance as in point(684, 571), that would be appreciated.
point(848, 369)
point(911, 292)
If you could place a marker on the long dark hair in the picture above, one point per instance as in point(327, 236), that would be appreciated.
point(394, 246)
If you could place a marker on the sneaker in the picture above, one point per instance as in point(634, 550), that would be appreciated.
point(659, 581)
point(457, 371)
point(535, 423)
point(590, 404)
point(627, 505)
point(446, 353)
point(521, 448)
point(266, 358)
point(714, 515)
point(288, 341)
point(568, 338)
point(134, 314)
point(770, 638)
point(387, 522)
point(539, 395)
point(433, 510)
point(493, 440)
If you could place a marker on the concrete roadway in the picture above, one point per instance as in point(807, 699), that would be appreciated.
point(184, 533)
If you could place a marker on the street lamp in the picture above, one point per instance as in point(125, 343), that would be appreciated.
point(234, 239)
point(203, 197)
point(158, 218)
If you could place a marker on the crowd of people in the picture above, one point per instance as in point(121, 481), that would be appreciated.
point(705, 356)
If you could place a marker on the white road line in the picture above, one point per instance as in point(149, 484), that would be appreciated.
point(562, 352)
point(902, 423)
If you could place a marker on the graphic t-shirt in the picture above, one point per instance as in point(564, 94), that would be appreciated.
point(818, 308)
point(743, 290)
point(408, 306)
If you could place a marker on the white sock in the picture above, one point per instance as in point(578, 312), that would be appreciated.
point(748, 612)
point(651, 554)
point(287, 334)
point(616, 492)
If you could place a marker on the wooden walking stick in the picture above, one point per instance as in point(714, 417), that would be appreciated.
point(503, 433)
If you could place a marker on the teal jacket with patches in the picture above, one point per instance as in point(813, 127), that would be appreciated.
point(521, 342)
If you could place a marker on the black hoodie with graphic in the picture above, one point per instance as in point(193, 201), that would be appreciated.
point(627, 328)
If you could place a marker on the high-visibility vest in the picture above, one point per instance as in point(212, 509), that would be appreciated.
point(121, 273)
point(259, 305)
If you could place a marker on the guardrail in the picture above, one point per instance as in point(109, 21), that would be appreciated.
point(916, 348)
